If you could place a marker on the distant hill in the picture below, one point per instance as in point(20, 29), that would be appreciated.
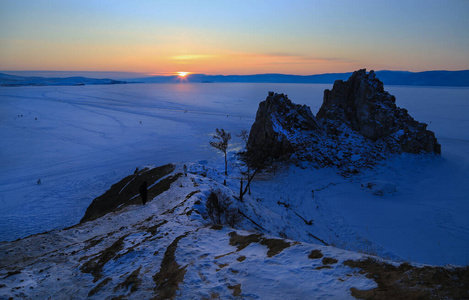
point(428, 78)
point(13, 80)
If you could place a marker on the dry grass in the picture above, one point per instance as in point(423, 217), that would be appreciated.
point(409, 282)
point(241, 258)
point(275, 245)
point(329, 261)
point(99, 286)
point(242, 242)
point(315, 254)
point(154, 229)
point(236, 289)
point(95, 265)
point(171, 274)
point(132, 281)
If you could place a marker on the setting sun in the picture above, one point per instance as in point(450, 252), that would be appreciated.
point(182, 74)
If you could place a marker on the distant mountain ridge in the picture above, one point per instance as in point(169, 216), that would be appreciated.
point(427, 78)
point(14, 80)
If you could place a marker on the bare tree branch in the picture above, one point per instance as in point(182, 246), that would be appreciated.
point(222, 145)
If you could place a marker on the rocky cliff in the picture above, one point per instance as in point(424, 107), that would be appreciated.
point(277, 119)
point(357, 124)
point(362, 104)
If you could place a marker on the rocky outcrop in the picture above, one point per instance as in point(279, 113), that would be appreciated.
point(286, 131)
point(362, 103)
point(357, 124)
point(277, 118)
point(126, 191)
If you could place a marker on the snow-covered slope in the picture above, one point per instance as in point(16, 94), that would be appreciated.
point(173, 248)
point(166, 248)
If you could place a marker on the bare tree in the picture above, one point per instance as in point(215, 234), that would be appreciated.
point(222, 138)
point(257, 161)
point(247, 188)
point(220, 210)
point(244, 135)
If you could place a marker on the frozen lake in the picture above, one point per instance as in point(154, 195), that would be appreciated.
point(86, 138)
point(79, 140)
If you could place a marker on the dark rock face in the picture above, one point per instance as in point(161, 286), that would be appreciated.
point(125, 192)
point(276, 119)
point(286, 131)
point(358, 102)
point(362, 103)
point(357, 125)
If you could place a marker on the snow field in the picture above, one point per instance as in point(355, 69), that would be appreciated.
point(87, 138)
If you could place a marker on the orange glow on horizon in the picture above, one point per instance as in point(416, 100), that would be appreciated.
point(183, 74)
point(236, 39)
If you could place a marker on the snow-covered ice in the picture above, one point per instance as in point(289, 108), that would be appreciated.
point(86, 138)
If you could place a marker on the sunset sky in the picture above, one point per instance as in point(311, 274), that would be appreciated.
point(234, 37)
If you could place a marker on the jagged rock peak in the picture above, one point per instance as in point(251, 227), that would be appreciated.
point(278, 118)
point(362, 103)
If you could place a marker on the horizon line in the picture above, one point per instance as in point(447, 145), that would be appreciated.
point(174, 74)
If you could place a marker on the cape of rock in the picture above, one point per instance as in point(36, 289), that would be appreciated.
point(362, 103)
point(357, 124)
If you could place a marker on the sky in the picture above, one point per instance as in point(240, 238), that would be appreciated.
point(234, 37)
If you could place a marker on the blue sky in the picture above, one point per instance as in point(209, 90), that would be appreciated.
point(234, 37)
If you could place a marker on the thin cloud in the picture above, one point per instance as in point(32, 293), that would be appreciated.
point(284, 57)
point(193, 56)
point(304, 58)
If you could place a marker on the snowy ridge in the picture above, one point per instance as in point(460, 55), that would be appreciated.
point(123, 254)
point(173, 248)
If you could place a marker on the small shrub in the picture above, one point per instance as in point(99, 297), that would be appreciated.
point(214, 208)
point(329, 261)
point(220, 211)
